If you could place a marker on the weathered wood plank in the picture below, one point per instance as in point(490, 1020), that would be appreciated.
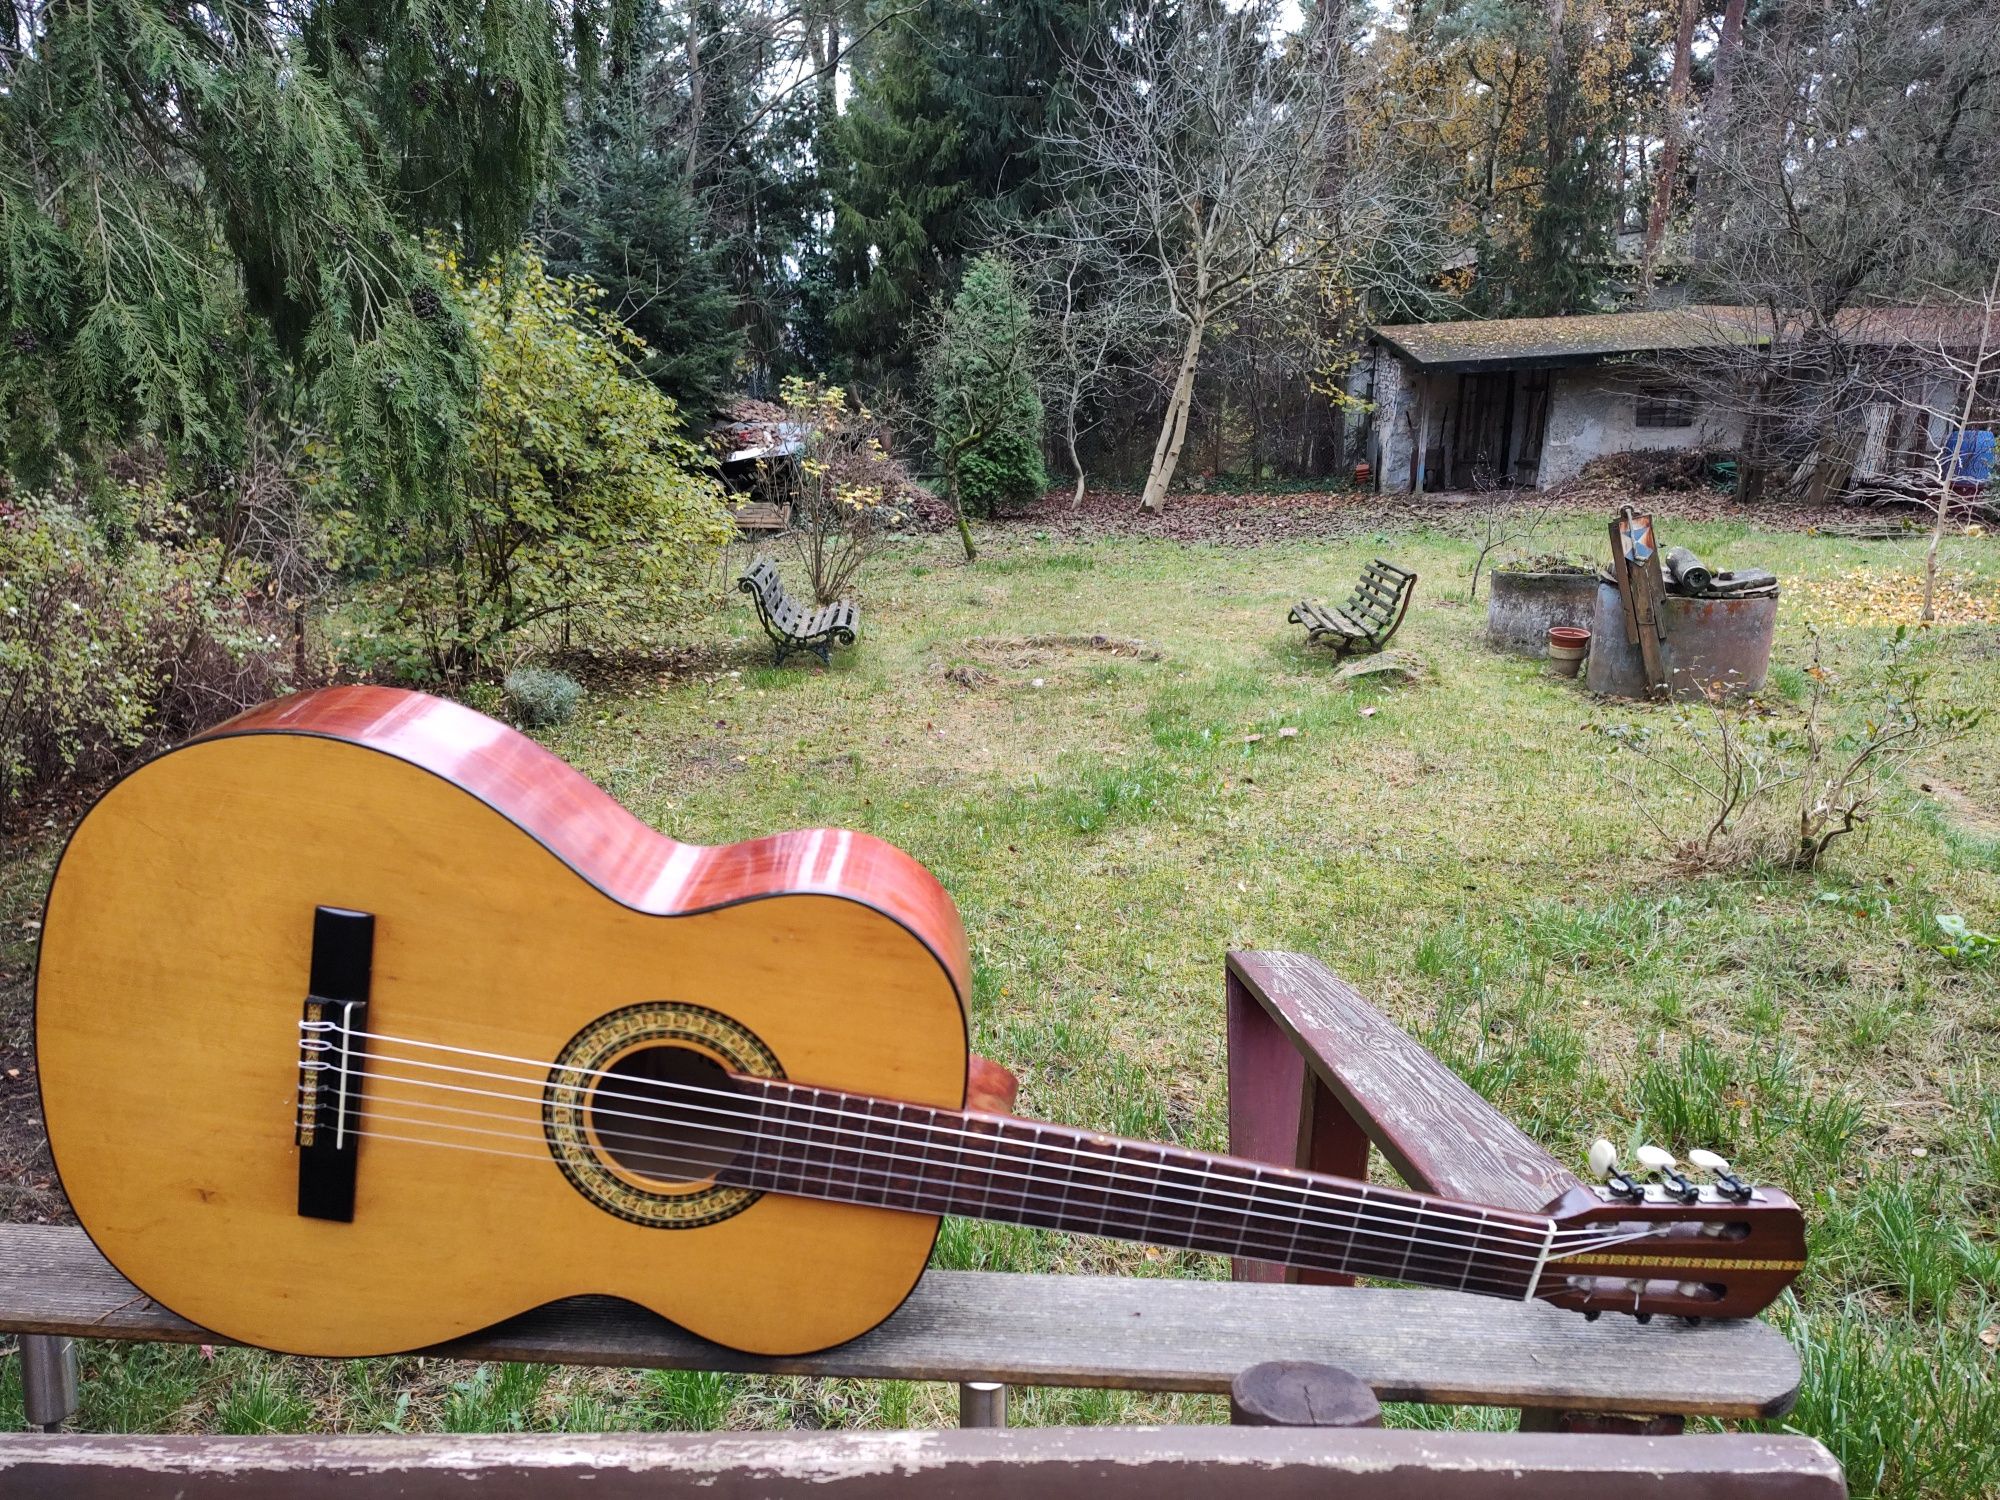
point(1055, 1463)
point(1431, 1125)
point(1154, 1334)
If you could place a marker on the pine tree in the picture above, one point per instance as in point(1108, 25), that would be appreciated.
point(941, 140)
point(199, 202)
point(986, 413)
point(625, 219)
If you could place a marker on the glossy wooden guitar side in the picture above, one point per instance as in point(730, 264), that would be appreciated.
point(514, 903)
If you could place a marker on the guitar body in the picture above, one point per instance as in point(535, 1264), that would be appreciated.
point(518, 913)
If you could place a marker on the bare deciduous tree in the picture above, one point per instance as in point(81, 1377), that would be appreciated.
point(1095, 323)
point(1201, 146)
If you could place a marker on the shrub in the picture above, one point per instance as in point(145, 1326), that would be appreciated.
point(105, 650)
point(540, 697)
point(985, 410)
point(580, 511)
point(845, 488)
point(1772, 789)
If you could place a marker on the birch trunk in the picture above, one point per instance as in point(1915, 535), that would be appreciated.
point(1173, 431)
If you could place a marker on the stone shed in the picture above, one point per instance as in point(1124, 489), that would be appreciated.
point(1529, 401)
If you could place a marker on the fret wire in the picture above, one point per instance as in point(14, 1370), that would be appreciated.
point(1192, 1234)
point(809, 1101)
point(1216, 1240)
point(836, 1108)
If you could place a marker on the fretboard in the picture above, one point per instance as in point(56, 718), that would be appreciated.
point(850, 1148)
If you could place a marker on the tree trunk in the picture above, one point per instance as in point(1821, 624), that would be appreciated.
point(1173, 430)
point(1075, 460)
point(958, 450)
point(1670, 145)
point(1715, 120)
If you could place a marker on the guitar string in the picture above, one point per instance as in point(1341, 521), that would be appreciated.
point(1460, 1240)
point(805, 1166)
point(1590, 1234)
point(1598, 1239)
point(804, 1156)
point(1363, 1260)
point(1532, 1235)
point(1086, 1161)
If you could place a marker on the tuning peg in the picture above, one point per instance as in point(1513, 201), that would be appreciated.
point(1604, 1162)
point(1663, 1162)
point(1732, 1186)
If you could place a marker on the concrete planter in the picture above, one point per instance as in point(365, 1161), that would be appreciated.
point(1724, 643)
point(1520, 608)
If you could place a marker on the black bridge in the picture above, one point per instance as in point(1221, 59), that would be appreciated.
point(331, 1053)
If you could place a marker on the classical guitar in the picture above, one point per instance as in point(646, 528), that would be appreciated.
point(363, 1022)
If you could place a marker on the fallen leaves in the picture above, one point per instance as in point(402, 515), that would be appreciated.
point(1878, 597)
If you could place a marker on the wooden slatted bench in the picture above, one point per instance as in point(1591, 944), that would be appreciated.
point(1371, 615)
point(1053, 1463)
point(1110, 1331)
point(792, 628)
point(1317, 1077)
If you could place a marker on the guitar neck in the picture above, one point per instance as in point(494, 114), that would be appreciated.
point(852, 1148)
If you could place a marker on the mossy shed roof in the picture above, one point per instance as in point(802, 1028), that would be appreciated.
point(1526, 343)
point(1538, 343)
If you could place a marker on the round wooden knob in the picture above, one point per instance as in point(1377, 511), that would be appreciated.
point(1298, 1393)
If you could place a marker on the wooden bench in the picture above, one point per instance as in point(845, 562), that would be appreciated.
point(1317, 1077)
point(792, 628)
point(1053, 1463)
point(1370, 616)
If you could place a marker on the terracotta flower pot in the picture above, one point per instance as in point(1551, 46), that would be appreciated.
point(1568, 645)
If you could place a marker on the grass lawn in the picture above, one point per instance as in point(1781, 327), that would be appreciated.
point(1110, 823)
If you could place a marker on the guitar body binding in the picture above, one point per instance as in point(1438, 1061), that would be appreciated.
point(518, 915)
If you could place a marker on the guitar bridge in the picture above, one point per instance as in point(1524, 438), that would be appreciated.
point(332, 1050)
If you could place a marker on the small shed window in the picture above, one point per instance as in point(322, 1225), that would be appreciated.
point(1663, 406)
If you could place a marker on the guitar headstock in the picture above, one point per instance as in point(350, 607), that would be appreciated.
point(1665, 1243)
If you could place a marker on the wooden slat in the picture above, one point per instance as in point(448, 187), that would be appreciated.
point(1053, 1463)
point(1431, 1125)
point(1155, 1334)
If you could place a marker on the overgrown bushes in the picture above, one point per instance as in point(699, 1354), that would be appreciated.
point(115, 639)
point(579, 514)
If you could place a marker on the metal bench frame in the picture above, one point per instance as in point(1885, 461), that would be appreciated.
point(1373, 612)
point(791, 628)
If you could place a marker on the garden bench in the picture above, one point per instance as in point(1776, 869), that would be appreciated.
point(1317, 1077)
point(792, 628)
point(1369, 617)
point(1053, 1463)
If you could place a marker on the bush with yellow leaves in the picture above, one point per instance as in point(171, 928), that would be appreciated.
point(580, 513)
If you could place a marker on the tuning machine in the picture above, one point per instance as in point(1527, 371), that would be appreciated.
point(1665, 1165)
point(1727, 1182)
point(1604, 1162)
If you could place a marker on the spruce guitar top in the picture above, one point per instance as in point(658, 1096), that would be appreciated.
point(363, 1022)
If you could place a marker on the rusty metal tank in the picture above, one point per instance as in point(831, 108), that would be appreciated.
point(1708, 641)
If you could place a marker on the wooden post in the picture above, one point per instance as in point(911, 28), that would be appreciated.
point(1298, 1393)
point(1280, 1112)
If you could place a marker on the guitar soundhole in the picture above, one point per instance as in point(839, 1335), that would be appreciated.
point(664, 1113)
